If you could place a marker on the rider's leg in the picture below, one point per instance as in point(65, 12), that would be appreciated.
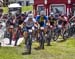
point(11, 34)
point(45, 30)
point(49, 36)
point(10, 38)
point(25, 34)
point(43, 40)
point(17, 37)
point(33, 34)
point(37, 35)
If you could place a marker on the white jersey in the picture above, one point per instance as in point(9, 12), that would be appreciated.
point(29, 24)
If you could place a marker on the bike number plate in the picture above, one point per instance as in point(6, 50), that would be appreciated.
point(60, 26)
point(41, 28)
point(30, 30)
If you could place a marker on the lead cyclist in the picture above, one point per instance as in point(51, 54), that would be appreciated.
point(28, 24)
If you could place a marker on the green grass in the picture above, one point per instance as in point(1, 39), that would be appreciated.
point(58, 50)
point(27, 8)
point(5, 10)
point(24, 9)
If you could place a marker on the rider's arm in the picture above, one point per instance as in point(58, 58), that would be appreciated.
point(24, 23)
point(46, 18)
point(37, 18)
point(35, 22)
point(55, 21)
point(71, 18)
point(58, 20)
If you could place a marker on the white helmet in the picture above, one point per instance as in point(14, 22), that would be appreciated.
point(51, 14)
point(30, 15)
point(42, 13)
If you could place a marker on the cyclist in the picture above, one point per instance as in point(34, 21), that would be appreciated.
point(28, 24)
point(42, 19)
point(61, 22)
point(53, 23)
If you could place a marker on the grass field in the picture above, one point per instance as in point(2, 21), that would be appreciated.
point(58, 50)
point(24, 9)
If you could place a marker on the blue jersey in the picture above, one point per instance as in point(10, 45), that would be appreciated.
point(41, 20)
point(44, 18)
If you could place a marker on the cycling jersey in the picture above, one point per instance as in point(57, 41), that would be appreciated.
point(60, 22)
point(41, 20)
point(29, 24)
point(52, 21)
point(63, 22)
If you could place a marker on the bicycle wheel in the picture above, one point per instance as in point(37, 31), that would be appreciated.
point(49, 36)
point(55, 38)
point(66, 34)
point(42, 40)
point(55, 35)
point(29, 44)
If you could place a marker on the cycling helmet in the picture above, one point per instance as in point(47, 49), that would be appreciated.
point(30, 15)
point(51, 14)
point(42, 13)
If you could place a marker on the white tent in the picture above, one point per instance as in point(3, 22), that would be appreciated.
point(14, 5)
